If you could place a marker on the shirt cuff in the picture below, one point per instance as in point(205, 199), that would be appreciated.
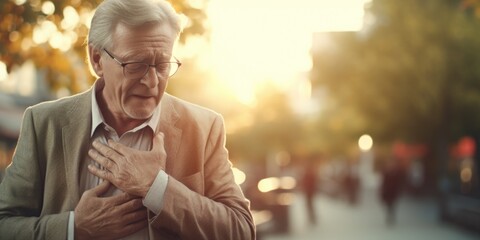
point(154, 198)
point(71, 224)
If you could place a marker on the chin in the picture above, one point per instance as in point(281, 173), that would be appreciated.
point(140, 110)
point(139, 114)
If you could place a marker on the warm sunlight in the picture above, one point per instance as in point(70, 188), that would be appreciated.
point(260, 41)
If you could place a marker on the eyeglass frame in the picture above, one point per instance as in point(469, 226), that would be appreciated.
point(122, 64)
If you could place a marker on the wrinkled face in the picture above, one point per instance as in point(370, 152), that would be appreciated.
point(135, 98)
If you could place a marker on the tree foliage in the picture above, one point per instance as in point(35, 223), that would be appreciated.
point(275, 128)
point(29, 31)
point(411, 75)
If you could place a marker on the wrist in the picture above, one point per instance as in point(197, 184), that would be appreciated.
point(78, 232)
point(80, 235)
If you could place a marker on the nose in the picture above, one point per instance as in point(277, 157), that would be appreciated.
point(150, 79)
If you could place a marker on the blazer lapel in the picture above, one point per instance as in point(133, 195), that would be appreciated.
point(76, 140)
point(173, 134)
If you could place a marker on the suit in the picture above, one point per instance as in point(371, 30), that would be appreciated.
point(201, 200)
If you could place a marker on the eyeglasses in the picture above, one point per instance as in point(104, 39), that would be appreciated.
point(137, 70)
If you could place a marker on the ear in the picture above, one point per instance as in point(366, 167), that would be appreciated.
point(95, 56)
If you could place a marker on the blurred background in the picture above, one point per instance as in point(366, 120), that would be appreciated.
point(346, 119)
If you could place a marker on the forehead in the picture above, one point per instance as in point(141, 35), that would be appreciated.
point(150, 38)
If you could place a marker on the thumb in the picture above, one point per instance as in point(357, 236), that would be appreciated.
point(101, 188)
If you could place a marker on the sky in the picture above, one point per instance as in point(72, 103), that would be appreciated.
point(251, 43)
point(258, 41)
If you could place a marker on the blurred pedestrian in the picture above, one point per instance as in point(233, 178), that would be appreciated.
point(390, 188)
point(309, 183)
point(351, 181)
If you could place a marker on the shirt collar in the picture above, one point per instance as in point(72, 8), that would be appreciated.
point(97, 117)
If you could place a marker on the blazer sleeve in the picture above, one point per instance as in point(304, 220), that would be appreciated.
point(21, 193)
point(221, 212)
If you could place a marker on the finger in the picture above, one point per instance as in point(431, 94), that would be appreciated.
point(103, 174)
point(107, 163)
point(135, 216)
point(123, 150)
point(120, 148)
point(131, 206)
point(134, 227)
point(122, 198)
point(101, 188)
point(106, 151)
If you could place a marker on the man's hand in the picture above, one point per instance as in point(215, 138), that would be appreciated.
point(113, 217)
point(130, 170)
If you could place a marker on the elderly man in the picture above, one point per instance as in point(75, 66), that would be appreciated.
point(124, 160)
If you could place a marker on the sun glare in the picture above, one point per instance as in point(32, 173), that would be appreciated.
point(259, 41)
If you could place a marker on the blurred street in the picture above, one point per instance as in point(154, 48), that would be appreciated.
point(338, 220)
point(344, 107)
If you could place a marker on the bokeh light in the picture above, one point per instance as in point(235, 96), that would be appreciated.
point(3, 71)
point(48, 8)
point(239, 175)
point(365, 142)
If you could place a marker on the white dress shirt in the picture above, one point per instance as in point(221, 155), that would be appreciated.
point(139, 138)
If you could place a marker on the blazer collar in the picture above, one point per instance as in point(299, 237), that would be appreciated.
point(173, 134)
point(76, 141)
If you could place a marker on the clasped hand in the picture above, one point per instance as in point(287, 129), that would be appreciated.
point(98, 217)
point(130, 170)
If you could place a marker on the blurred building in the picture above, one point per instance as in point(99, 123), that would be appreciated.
point(457, 189)
point(24, 87)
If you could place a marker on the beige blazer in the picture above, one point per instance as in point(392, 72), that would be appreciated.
point(41, 185)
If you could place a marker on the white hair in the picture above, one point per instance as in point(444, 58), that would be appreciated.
point(131, 12)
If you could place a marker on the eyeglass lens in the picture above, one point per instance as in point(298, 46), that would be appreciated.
point(138, 70)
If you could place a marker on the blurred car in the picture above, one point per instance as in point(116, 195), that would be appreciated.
point(460, 198)
point(270, 200)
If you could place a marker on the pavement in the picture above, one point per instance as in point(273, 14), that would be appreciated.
point(338, 220)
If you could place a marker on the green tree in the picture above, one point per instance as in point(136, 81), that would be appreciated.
point(37, 30)
point(412, 75)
